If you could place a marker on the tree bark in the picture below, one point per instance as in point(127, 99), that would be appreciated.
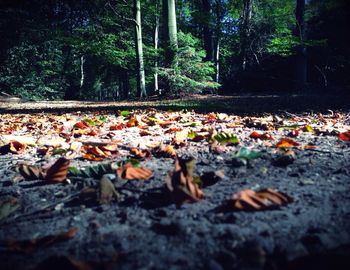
point(141, 81)
point(301, 57)
point(245, 31)
point(172, 25)
point(207, 30)
point(156, 43)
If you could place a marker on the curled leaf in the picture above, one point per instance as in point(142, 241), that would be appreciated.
point(164, 151)
point(261, 136)
point(226, 138)
point(58, 171)
point(259, 200)
point(31, 172)
point(127, 171)
point(286, 143)
point(344, 136)
point(30, 245)
point(140, 153)
point(7, 207)
point(181, 183)
point(14, 147)
point(107, 190)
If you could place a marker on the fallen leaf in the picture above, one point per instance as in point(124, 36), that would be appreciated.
point(127, 171)
point(140, 153)
point(286, 143)
point(211, 178)
point(245, 153)
point(344, 136)
point(107, 190)
point(260, 200)
point(226, 138)
point(308, 128)
point(13, 147)
point(181, 185)
point(31, 172)
point(29, 246)
point(180, 138)
point(284, 159)
point(57, 173)
point(117, 127)
point(82, 125)
point(132, 122)
point(261, 136)
point(7, 207)
point(164, 151)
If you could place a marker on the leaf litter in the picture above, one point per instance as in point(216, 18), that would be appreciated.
point(111, 150)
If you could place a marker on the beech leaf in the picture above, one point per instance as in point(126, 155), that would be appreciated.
point(250, 200)
point(127, 171)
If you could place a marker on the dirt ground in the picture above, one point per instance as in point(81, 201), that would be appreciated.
point(145, 230)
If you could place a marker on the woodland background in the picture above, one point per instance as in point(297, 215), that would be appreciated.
point(112, 50)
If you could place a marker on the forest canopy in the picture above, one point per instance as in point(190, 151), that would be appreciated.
point(118, 49)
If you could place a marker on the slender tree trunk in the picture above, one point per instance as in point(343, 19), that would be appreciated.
point(207, 30)
point(301, 57)
point(245, 31)
point(82, 74)
point(141, 82)
point(156, 43)
point(217, 61)
point(172, 25)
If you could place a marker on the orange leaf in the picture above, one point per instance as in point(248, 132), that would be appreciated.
point(261, 136)
point(58, 171)
point(211, 117)
point(29, 246)
point(132, 122)
point(127, 171)
point(286, 143)
point(82, 125)
point(13, 147)
point(140, 153)
point(164, 151)
point(117, 127)
point(260, 200)
point(345, 136)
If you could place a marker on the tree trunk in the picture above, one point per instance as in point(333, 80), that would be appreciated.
point(156, 43)
point(207, 30)
point(141, 82)
point(217, 61)
point(82, 72)
point(172, 25)
point(301, 57)
point(245, 31)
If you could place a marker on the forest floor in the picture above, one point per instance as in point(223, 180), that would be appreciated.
point(65, 218)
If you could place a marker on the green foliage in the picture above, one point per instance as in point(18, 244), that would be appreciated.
point(32, 71)
point(189, 72)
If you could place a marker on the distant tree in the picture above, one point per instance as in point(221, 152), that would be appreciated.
point(141, 81)
point(301, 57)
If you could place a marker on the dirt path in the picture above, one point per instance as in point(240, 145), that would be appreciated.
point(144, 230)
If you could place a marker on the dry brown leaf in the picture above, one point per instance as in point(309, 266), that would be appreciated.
point(29, 246)
point(107, 190)
point(284, 159)
point(140, 153)
point(164, 151)
point(127, 171)
point(180, 183)
point(260, 200)
point(13, 147)
point(31, 172)
point(180, 138)
point(58, 171)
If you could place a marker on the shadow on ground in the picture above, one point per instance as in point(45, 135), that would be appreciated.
point(231, 104)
